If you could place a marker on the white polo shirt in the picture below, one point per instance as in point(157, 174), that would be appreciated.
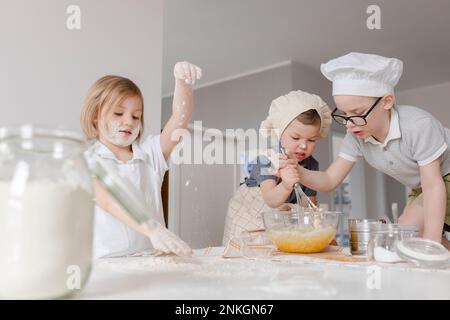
point(146, 171)
point(415, 139)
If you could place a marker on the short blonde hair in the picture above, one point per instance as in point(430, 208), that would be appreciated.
point(104, 94)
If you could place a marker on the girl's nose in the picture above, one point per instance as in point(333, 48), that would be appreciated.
point(302, 145)
point(128, 121)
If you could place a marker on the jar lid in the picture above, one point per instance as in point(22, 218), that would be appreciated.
point(424, 251)
point(123, 191)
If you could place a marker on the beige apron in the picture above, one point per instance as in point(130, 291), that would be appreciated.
point(244, 212)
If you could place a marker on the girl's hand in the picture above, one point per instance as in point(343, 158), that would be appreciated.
point(290, 175)
point(166, 241)
point(187, 72)
point(288, 170)
point(281, 163)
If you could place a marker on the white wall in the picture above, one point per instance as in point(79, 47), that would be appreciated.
point(434, 99)
point(239, 103)
point(46, 69)
point(199, 195)
point(244, 102)
point(375, 188)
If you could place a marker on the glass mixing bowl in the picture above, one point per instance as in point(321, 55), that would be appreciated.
point(301, 232)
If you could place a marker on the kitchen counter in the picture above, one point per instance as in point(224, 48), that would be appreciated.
point(207, 275)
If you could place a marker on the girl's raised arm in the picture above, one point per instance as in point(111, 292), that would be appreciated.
point(185, 74)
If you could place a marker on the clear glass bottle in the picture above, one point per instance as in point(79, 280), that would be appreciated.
point(46, 213)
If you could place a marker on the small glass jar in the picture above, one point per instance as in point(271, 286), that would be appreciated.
point(46, 213)
point(382, 246)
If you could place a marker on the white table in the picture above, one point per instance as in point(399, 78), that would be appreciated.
point(287, 277)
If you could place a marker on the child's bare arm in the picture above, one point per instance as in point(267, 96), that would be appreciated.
point(290, 173)
point(435, 200)
point(185, 75)
point(105, 201)
point(326, 181)
point(161, 238)
point(274, 195)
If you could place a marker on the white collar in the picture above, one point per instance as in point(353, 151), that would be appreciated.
point(106, 153)
point(394, 131)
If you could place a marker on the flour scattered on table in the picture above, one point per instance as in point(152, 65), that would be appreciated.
point(197, 267)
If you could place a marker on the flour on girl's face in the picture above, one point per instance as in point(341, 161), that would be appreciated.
point(116, 133)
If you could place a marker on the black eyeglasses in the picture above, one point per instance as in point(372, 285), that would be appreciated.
point(356, 120)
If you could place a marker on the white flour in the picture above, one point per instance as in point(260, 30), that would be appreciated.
point(209, 275)
point(198, 267)
point(44, 228)
point(384, 255)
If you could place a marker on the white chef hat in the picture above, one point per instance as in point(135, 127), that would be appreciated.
point(286, 108)
point(361, 74)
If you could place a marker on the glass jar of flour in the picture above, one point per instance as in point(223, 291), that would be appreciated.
point(382, 246)
point(46, 213)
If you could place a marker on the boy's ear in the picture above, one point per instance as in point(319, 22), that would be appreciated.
point(389, 101)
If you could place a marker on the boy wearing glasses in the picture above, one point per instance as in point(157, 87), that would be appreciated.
point(404, 142)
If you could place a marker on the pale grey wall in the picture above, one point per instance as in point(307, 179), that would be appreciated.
point(244, 102)
point(239, 103)
point(375, 187)
point(434, 99)
point(45, 69)
point(395, 192)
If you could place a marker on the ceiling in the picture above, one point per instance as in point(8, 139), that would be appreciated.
point(231, 37)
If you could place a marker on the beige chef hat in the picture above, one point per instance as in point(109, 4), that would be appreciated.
point(286, 108)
